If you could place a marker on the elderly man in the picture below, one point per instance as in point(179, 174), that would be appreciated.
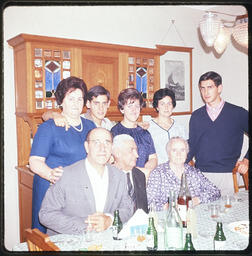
point(89, 191)
point(124, 151)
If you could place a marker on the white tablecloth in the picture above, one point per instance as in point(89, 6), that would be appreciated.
point(206, 228)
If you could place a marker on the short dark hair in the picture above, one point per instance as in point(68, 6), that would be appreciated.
point(211, 75)
point(160, 94)
point(129, 93)
point(68, 85)
point(97, 90)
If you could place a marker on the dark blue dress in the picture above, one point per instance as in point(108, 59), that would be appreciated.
point(143, 140)
point(60, 148)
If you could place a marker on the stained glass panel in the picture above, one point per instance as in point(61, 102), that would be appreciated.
point(48, 104)
point(47, 53)
point(38, 84)
point(39, 94)
point(66, 64)
point(151, 62)
point(131, 60)
point(38, 52)
point(37, 73)
point(66, 54)
point(141, 79)
point(138, 61)
point(66, 74)
point(52, 77)
point(39, 105)
point(38, 63)
point(56, 54)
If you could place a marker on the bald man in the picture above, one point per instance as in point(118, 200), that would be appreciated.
point(89, 191)
point(124, 151)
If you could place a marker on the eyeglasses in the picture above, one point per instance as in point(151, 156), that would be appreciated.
point(99, 143)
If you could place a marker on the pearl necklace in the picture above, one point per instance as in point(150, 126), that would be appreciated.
point(81, 127)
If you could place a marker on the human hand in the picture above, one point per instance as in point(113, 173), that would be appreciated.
point(144, 125)
point(195, 201)
point(242, 165)
point(60, 120)
point(99, 221)
point(55, 174)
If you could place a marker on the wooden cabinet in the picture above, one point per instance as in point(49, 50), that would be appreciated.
point(41, 62)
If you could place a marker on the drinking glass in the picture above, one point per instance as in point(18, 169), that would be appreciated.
point(215, 210)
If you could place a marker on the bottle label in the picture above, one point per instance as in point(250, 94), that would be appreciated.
point(219, 245)
point(182, 211)
point(174, 238)
point(150, 241)
point(115, 231)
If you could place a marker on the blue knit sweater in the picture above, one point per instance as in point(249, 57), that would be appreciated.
point(216, 145)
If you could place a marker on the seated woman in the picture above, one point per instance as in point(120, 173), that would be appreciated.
point(130, 103)
point(163, 127)
point(167, 176)
point(53, 147)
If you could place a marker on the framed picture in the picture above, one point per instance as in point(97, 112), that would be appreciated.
point(176, 74)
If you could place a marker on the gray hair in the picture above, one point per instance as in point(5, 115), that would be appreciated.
point(173, 140)
point(118, 140)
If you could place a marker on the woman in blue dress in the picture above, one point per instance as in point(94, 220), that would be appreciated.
point(53, 147)
point(130, 103)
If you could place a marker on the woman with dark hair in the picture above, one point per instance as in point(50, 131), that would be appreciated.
point(53, 147)
point(130, 103)
point(163, 127)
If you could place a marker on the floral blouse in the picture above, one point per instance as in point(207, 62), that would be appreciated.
point(163, 179)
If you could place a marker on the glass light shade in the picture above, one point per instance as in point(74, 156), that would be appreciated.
point(240, 32)
point(209, 28)
point(222, 39)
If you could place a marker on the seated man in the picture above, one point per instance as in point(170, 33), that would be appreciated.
point(124, 151)
point(98, 101)
point(89, 191)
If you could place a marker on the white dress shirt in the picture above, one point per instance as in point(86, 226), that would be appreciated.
point(99, 185)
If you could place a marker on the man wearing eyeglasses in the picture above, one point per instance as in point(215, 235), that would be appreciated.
point(88, 192)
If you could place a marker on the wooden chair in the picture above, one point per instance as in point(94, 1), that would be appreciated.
point(244, 177)
point(38, 241)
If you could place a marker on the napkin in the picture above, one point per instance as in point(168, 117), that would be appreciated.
point(139, 219)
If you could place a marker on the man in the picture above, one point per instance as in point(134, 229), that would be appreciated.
point(216, 134)
point(88, 192)
point(98, 102)
point(124, 151)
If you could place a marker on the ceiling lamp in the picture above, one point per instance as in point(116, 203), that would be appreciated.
point(209, 28)
point(222, 39)
point(240, 32)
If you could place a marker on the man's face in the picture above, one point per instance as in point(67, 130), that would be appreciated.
point(98, 106)
point(127, 155)
point(131, 110)
point(99, 146)
point(209, 92)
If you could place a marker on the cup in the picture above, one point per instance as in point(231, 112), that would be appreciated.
point(215, 210)
point(227, 201)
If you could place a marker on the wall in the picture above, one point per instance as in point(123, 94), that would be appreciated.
point(136, 26)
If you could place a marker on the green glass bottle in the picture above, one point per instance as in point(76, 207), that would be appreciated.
point(151, 236)
point(188, 243)
point(116, 225)
point(219, 238)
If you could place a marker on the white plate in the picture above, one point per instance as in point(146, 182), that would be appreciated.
point(240, 227)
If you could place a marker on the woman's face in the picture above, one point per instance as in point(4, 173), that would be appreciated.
point(73, 103)
point(131, 110)
point(165, 106)
point(178, 152)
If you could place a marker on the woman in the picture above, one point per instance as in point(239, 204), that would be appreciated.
point(130, 103)
point(167, 176)
point(163, 127)
point(53, 147)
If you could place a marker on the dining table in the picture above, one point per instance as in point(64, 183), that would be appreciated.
point(235, 222)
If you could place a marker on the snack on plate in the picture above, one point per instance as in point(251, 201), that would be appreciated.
point(95, 247)
point(242, 228)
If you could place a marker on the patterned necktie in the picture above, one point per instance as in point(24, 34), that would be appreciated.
point(131, 190)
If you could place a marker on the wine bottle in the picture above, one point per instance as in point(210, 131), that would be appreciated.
point(151, 236)
point(188, 243)
point(191, 220)
point(173, 226)
point(183, 198)
point(219, 238)
point(116, 225)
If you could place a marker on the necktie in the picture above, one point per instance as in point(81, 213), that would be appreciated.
point(131, 190)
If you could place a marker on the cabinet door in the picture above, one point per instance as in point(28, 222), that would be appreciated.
point(101, 71)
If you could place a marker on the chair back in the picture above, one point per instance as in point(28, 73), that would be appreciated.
point(38, 241)
point(244, 177)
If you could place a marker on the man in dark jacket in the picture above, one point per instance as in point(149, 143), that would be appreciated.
point(124, 151)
